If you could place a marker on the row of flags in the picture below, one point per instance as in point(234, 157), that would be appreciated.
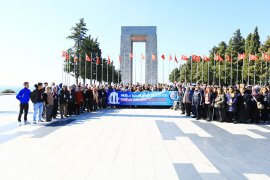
point(194, 58)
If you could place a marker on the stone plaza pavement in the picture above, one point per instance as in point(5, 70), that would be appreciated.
point(132, 144)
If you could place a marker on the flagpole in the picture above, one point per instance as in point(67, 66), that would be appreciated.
point(102, 71)
point(191, 79)
point(141, 68)
point(214, 76)
point(91, 70)
point(219, 73)
point(96, 69)
point(197, 74)
point(169, 72)
point(180, 73)
point(225, 64)
point(237, 70)
point(261, 74)
point(69, 69)
point(254, 73)
point(108, 71)
point(174, 70)
point(231, 68)
point(266, 72)
point(243, 70)
point(248, 67)
point(163, 70)
point(208, 72)
point(186, 74)
point(84, 71)
point(202, 69)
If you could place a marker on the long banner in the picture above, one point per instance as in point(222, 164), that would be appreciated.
point(157, 98)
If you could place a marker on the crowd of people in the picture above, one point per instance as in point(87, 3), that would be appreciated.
point(240, 103)
point(54, 100)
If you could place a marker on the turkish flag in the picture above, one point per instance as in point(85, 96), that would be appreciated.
point(185, 58)
point(218, 58)
point(130, 56)
point(196, 58)
point(66, 56)
point(241, 56)
point(253, 57)
point(87, 58)
point(175, 59)
point(98, 60)
point(154, 57)
point(205, 58)
point(170, 57)
point(266, 57)
point(163, 57)
point(228, 58)
point(109, 60)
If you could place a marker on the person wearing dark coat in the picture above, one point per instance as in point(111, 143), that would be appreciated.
point(241, 106)
point(88, 99)
point(231, 100)
point(55, 102)
point(254, 111)
point(197, 102)
point(265, 102)
point(63, 100)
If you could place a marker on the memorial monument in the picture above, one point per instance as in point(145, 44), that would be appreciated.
point(133, 34)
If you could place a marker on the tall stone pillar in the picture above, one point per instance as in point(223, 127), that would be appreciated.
point(129, 35)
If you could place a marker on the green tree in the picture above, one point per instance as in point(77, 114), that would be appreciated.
point(174, 75)
point(86, 45)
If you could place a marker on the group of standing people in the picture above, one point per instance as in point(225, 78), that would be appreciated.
point(244, 104)
point(51, 101)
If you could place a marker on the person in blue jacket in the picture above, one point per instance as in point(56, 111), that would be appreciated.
point(24, 96)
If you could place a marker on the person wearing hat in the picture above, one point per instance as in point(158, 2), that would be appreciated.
point(37, 99)
point(24, 96)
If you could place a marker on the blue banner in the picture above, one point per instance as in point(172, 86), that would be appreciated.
point(157, 98)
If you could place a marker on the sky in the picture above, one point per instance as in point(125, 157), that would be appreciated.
point(33, 32)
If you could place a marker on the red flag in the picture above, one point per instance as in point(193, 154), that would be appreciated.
point(228, 58)
point(109, 60)
point(142, 56)
point(185, 58)
point(241, 56)
point(218, 58)
point(130, 56)
point(154, 58)
point(253, 57)
point(163, 57)
point(67, 56)
point(98, 60)
point(175, 59)
point(170, 57)
point(196, 58)
point(75, 58)
point(119, 58)
point(266, 57)
point(205, 58)
point(87, 58)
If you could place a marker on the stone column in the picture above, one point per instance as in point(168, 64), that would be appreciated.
point(151, 67)
point(126, 63)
